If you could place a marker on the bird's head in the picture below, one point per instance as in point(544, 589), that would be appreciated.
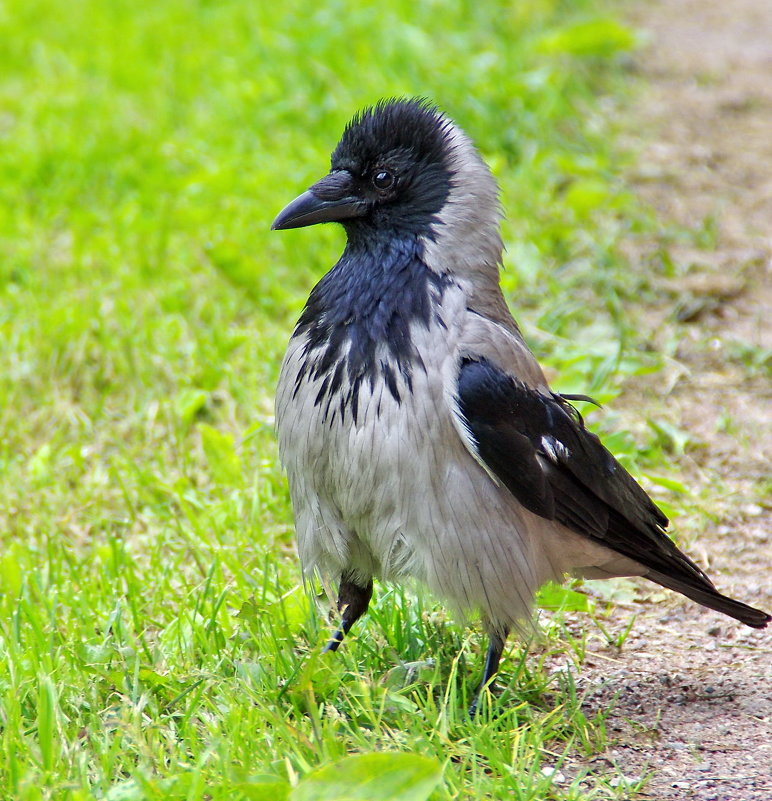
point(402, 168)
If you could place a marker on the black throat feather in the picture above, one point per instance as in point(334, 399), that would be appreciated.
point(357, 321)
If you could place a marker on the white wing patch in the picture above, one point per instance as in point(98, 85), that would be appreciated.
point(554, 449)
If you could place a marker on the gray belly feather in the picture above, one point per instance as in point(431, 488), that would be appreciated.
point(398, 493)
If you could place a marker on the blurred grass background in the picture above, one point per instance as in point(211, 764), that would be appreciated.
point(155, 641)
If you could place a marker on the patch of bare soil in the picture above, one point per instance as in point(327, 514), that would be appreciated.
point(693, 690)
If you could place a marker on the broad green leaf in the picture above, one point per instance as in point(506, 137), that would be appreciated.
point(46, 721)
point(125, 791)
point(617, 590)
point(670, 437)
point(39, 466)
point(586, 195)
point(189, 402)
point(372, 777)
point(553, 596)
point(668, 483)
point(11, 578)
point(192, 784)
point(599, 37)
point(255, 788)
point(221, 456)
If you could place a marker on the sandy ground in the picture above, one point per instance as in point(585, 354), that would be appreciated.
point(693, 689)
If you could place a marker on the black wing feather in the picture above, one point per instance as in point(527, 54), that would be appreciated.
point(537, 446)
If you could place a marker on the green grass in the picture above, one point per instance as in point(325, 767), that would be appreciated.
point(155, 640)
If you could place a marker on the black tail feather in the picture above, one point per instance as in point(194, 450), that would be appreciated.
point(707, 596)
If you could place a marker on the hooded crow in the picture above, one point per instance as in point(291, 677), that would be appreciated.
point(419, 434)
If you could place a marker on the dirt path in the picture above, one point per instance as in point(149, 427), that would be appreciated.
point(694, 704)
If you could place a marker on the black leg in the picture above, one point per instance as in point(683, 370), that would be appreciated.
point(492, 659)
point(353, 601)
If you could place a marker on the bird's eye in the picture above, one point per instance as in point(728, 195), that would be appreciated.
point(383, 179)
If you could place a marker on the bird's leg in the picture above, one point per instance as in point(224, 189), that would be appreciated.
point(492, 659)
point(353, 601)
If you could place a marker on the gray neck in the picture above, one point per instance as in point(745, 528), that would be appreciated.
point(466, 239)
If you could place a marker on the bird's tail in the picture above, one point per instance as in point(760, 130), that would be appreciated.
point(707, 595)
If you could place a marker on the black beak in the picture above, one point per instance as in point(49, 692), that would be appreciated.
point(330, 200)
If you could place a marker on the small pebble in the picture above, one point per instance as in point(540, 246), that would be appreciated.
point(554, 774)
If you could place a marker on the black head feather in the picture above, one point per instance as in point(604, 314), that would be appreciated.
point(410, 141)
point(403, 128)
point(358, 320)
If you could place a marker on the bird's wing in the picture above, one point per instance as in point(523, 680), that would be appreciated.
point(500, 342)
point(535, 443)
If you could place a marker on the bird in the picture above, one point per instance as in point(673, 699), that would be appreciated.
point(419, 434)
